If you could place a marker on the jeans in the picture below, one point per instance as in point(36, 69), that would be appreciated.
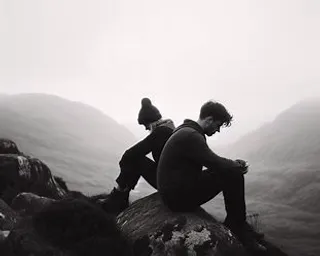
point(209, 184)
point(131, 171)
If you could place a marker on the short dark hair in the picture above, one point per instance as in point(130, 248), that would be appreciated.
point(217, 111)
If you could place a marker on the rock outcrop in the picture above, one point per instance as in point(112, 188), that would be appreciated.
point(21, 173)
point(39, 216)
point(154, 230)
point(29, 204)
point(8, 147)
point(66, 227)
point(44, 217)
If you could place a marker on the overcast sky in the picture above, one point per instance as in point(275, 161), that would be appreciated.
point(257, 57)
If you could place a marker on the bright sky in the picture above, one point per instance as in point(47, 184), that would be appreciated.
point(256, 57)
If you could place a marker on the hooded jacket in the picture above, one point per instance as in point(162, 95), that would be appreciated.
point(184, 156)
point(154, 142)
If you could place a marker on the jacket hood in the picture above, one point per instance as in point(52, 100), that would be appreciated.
point(166, 122)
point(191, 124)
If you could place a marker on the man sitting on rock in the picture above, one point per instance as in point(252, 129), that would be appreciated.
point(134, 162)
point(184, 185)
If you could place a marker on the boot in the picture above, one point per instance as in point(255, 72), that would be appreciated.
point(256, 234)
point(250, 243)
point(116, 201)
point(247, 238)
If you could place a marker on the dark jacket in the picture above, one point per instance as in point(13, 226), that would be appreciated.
point(183, 157)
point(153, 143)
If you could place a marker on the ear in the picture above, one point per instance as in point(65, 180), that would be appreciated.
point(209, 119)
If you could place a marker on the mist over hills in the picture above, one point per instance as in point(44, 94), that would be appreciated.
point(286, 153)
point(283, 182)
point(77, 142)
point(293, 136)
point(138, 130)
point(82, 145)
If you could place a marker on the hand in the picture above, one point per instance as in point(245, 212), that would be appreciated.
point(243, 164)
point(245, 169)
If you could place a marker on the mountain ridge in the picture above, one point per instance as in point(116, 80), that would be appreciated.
point(283, 182)
point(78, 142)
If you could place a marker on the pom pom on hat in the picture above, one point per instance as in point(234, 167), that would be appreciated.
point(146, 102)
point(148, 113)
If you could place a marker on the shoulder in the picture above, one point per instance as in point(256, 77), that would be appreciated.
point(162, 130)
point(188, 134)
point(188, 131)
point(159, 133)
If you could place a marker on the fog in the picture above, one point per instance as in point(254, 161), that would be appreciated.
point(256, 57)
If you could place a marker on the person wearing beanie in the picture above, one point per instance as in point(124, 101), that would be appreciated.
point(134, 163)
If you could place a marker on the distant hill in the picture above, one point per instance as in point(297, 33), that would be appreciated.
point(293, 136)
point(138, 130)
point(285, 157)
point(78, 142)
point(283, 183)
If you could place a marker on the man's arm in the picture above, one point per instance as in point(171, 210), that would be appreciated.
point(201, 153)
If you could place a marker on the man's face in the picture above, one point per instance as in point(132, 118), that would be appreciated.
point(212, 126)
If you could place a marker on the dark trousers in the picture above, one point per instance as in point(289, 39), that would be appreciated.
point(131, 171)
point(210, 184)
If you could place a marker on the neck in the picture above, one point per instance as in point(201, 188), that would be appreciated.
point(201, 123)
point(153, 125)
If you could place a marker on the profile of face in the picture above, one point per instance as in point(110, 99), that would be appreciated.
point(211, 126)
point(147, 127)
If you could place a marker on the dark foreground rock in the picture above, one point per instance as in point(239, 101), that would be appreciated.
point(154, 230)
point(29, 203)
point(8, 147)
point(68, 227)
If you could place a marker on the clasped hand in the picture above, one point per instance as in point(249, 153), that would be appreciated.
point(243, 164)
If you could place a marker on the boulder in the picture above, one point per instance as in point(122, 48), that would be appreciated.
point(155, 230)
point(24, 240)
point(29, 203)
point(19, 173)
point(67, 227)
point(8, 147)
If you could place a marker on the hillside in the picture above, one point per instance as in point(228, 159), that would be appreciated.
point(77, 142)
point(292, 137)
point(283, 183)
point(286, 153)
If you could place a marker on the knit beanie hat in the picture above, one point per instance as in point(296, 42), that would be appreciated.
point(148, 113)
